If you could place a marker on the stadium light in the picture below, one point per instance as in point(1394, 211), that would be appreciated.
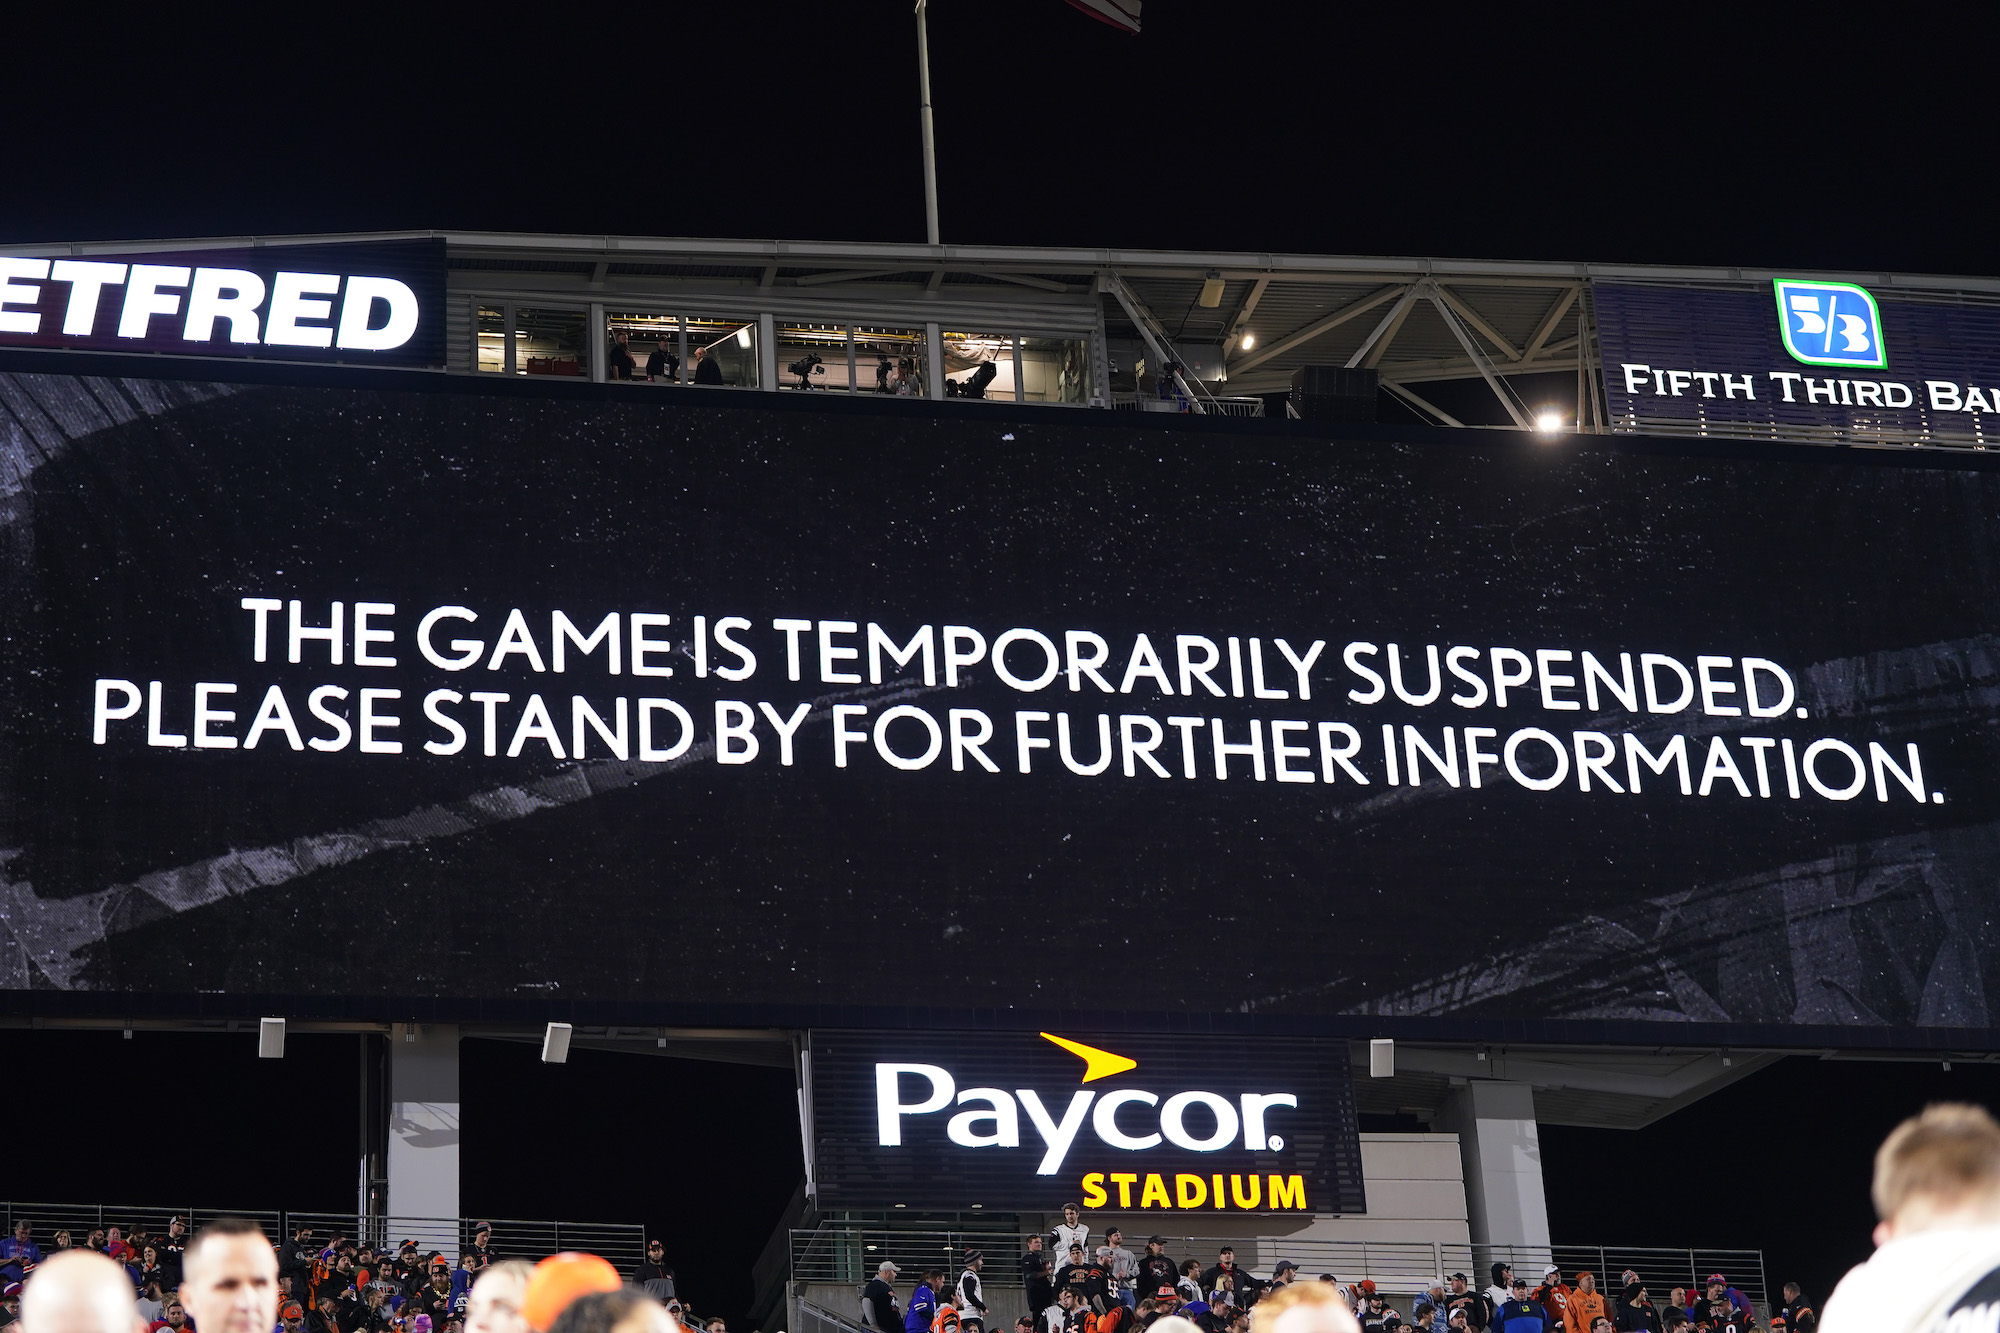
point(1550, 421)
point(1249, 340)
point(555, 1044)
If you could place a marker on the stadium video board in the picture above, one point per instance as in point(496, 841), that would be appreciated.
point(1144, 1122)
point(482, 695)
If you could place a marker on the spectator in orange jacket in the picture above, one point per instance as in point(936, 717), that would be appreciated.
point(1586, 1304)
point(1554, 1295)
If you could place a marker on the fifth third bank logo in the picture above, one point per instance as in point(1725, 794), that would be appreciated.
point(1830, 323)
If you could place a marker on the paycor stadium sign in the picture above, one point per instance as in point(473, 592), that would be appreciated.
point(1031, 1121)
point(1826, 357)
point(361, 303)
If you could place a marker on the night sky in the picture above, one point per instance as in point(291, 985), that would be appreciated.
point(1709, 134)
point(1695, 135)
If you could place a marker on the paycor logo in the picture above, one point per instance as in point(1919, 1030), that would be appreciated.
point(206, 304)
point(1130, 1120)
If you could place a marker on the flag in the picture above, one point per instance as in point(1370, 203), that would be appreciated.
point(1118, 13)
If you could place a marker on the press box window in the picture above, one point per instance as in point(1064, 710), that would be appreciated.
point(891, 361)
point(646, 348)
point(1055, 370)
point(492, 349)
point(722, 351)
point(981, 365)
point(529, 340)
point(818, 356)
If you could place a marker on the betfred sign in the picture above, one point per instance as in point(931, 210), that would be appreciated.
point(1030, 1121)
point(375, 303)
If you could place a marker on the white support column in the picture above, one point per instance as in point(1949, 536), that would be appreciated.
point(767, 352)
point(423, 1125)
point(1501, 1150)
point(934, 359)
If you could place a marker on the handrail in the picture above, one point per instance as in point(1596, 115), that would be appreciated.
point(850, 1254)
point(620, 1242)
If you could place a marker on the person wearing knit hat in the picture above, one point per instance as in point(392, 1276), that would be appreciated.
point(971, 1295)
point(559, 1280)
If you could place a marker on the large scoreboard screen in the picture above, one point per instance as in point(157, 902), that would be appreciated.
point(650, 698)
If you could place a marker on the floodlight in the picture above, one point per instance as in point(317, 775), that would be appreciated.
point(1550, 421)
point(1249, 340)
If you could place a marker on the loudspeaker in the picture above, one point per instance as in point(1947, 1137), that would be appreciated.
point(270, 1039)
point(555, 1044)
point(1382, 1058)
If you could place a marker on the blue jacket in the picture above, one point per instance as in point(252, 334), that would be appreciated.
point(19, 1260)
point(922, 1309)
point(1521, 1317)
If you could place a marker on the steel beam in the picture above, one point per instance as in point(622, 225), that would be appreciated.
point(1546, 329)
point(1477, 321)
point(1285, 344)
point(1423, 405)
point(1385, 332)
point(1479, 358)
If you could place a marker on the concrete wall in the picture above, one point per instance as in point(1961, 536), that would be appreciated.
point(423, 1123)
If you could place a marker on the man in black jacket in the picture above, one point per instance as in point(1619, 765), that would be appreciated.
point(653, 1276)
point(878, 1301)
point(1225, 1264)
point(1037, 1278)
point(1155, 1269)
point(1799, 1316)
point(1082, 1279)
point(296, 1259)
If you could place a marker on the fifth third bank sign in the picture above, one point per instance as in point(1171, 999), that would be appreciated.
point(1031, 1121)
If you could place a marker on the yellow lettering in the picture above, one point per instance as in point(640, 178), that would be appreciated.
point(1220, 1201)
point(1156, 1188)
point(1193, 1191)
point(1288, 1191)
point(1124, 1181)
point(1256, 1195)
point(1093, 1190)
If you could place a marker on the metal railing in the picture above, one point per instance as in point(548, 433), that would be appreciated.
point(1234, 406)
point(622, 1243)
point(813, 1318)
point(851, 1255)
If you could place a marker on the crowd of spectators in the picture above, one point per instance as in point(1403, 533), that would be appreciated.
point(1073, 1286)
point(326, 1283)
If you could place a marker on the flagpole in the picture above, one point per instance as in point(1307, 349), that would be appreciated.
point(930, 148)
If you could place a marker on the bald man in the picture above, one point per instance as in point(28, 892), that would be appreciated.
point(229, 1279)
point(79, 1291)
